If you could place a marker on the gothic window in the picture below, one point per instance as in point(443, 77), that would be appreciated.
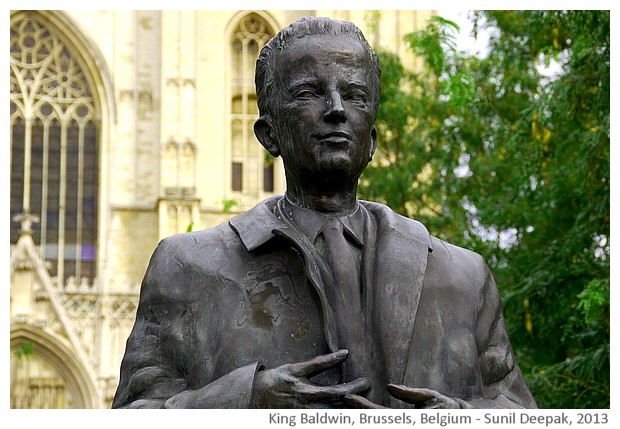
point(248, 165)
point(54, 148)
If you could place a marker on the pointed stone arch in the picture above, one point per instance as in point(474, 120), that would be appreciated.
point(55, 352)
point(250, 176)
point(55, 336)
point(88, 52)
point(62, 82)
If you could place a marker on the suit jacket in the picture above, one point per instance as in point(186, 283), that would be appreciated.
point(218, 304)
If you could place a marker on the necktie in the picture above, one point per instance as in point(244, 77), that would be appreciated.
point(345, 298)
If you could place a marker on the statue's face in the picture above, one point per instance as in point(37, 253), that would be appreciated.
point(324, 119)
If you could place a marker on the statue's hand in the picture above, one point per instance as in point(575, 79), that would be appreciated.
point(289, 385)
point(422, 398)
point(357, 401)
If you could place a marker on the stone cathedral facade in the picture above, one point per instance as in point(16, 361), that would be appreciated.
point(127, 127)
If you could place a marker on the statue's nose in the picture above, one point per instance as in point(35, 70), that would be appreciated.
point(334, 109)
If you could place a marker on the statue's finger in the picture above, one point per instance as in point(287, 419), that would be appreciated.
point(410, 394)
point(356, 401)
point(318, 364)
point(335, 392)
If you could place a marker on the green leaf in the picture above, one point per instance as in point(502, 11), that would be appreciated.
point(494, 155)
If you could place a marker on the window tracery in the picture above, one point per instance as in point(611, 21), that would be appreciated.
point(54, 148)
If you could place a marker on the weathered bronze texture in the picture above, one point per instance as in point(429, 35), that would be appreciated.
point(315, 299)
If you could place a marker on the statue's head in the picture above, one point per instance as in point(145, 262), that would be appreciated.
point(286, 38)
point(318, 88)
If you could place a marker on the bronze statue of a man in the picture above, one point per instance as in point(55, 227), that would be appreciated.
point(315, 299)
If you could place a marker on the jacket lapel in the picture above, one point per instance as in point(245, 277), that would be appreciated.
point(402, 246)
point(254, 226)
point(259, 225)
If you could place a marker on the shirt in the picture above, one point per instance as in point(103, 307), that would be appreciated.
point(310, 223)
point(350, 315)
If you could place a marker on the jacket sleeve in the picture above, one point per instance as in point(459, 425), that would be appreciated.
point(158, 351)
point(503, 383)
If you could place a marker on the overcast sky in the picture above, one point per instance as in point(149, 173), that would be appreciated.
point(465, 40)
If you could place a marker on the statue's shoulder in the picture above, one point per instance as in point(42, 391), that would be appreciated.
point(180, 255)
point(388, 220)
point(181, 264)
point(196, 240)
point(229, 237)
point(442, 252)
point(458, 262)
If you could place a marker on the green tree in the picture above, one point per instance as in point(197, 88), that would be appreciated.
point(497, 154)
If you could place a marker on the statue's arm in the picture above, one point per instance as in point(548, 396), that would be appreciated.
point(503, 383)
point(159, 349)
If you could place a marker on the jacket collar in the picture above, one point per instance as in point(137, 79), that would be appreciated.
point(255, 226)
point(311, 222)
point(403, 227)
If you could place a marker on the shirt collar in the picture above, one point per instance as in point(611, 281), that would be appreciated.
point(310, 222)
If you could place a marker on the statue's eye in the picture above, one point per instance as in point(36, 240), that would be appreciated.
point(305, 94)
point(357, 97)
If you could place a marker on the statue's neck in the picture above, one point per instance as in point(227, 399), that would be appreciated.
point(336, 200)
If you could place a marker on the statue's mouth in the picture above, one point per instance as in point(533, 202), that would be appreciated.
point(337, 138)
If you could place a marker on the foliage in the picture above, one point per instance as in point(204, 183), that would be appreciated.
point(499, 154)
point(25, 350)
point(229, 205)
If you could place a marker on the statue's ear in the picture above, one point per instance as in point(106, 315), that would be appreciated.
point(266, 136)
point(373, 142)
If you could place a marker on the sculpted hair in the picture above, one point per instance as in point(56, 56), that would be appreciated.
point(304, 27)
